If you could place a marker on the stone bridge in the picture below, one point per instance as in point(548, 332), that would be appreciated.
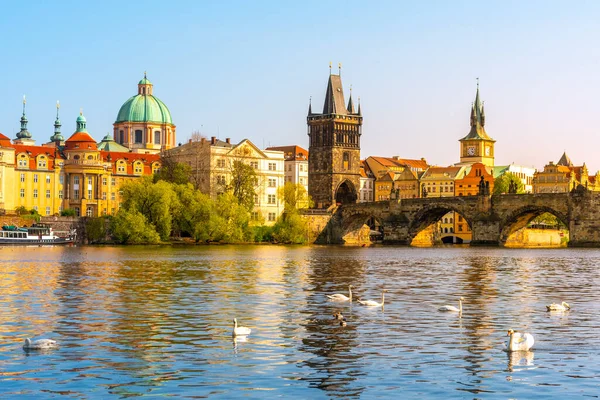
point(492, 219)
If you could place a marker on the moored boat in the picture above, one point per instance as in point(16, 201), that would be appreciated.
point(36, 234)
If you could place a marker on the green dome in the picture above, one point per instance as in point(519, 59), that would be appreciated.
point(144, 108)
point(144, 82)
point(81, 118)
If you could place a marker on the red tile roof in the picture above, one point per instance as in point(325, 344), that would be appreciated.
point(291, 153)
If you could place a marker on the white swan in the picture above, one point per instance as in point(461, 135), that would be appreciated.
point(373, 303)
point(558, 307)
point(240, 330)
point(519, 341)
point(341, 297)
point(39, 344)
point(452, 308)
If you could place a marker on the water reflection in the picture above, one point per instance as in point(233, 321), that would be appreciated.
point(157, 321)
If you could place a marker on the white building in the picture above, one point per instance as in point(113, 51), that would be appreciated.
point(367, 183)
point(525, 174)
point(296, 164)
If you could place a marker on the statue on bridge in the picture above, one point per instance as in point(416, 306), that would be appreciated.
point(484, 187)
point(512, 187)
point(423, 191)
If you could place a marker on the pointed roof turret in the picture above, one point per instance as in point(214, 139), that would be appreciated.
point(310, 105)
point(477, 120)
point(57, 137)
point(350, 108)
point(24, 133)
point(359, 112)
point(565, 160)
point(334, 97)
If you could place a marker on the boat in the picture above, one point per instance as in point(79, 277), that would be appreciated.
point(36, 234)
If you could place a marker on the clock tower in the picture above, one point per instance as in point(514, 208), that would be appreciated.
point(477, 146)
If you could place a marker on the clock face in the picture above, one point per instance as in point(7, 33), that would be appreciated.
point(471, 150)
point(487, 151)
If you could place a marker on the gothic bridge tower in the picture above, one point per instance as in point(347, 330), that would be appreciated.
point(334, 148)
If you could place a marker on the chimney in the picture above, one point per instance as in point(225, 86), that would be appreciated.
point(202, 140)
point(213, 139)
point(190, 142)
point(228, 140)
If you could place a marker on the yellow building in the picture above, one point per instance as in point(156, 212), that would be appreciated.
point(385, 169)
point(563, 177)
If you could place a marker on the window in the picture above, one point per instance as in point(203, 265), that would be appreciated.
point(104, 181)
point(271, 199)
point(255, 199)
point(254, 216)
point(272, 166)
point(76, 195)
point(103, 195)
point(112, 181)
point(121, 167)
point(35, 178)
point(121, 137)
point(75, 180)
point(47, 210)
point(47, 178)
point(156, 137)
point(272, 216)
point(22, 193)
point(112, 196)
point(272, 182)
point(22, 163)
point(89, 193)
point(221, 179)
point(61, 179)
point(22, 177)
point(346, 162)
point(48, 193)
point(77, 211)
point(254, 164)
point(301, 168)
point(138, 168)
point(35, 193)
point(221, 163)
point(138, 136)
point(89, 212)
point(42, 162)
point(60, 194)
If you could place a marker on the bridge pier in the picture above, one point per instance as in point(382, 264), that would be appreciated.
point(485, 232)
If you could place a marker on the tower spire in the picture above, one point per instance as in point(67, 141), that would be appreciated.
point(24, 134)
point(350, 107)
point(57, 137)
point(340, 69)
point(359, 113)
point(310, 105)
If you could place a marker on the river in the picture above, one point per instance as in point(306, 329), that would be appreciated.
point(157, 321)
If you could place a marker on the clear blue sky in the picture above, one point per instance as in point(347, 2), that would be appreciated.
point(246, 69)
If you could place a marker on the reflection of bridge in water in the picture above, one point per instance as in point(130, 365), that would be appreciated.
point(492, 219)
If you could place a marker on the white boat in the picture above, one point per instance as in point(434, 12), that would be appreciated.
point(40, 234)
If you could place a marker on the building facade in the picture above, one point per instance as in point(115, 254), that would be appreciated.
point(295, 165)
point(211, 162)
point(334, 148)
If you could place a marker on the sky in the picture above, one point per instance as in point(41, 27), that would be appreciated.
point(247, 69)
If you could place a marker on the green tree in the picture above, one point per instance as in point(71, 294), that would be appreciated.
point(294, 196)
point(231, 222)
point(96, 229)
point(502, 183)
point(243, 183)
point(131, 227)
point(290, 228)
point(172, 171)
point(192, 213)
point(153, 201)
point(68, 212)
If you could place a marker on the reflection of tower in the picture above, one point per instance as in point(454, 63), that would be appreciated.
point(334, 148)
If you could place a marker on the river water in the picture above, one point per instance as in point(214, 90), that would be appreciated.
point(157, 321)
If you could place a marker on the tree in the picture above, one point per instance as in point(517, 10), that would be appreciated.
point(290, 228)
point(231, 222)
point(294, 196)
point(172, 171)
point(131, 227)
point(243, 183)
point(502, 184)
point(153, 201)
point(197, 136)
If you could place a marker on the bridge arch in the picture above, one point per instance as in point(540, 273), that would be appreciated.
point(520, 217)
point(345, 193)
point(362, 227)
point(429, 215)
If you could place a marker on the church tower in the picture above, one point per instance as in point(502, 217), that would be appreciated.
point(334, 148)
point(477, 146)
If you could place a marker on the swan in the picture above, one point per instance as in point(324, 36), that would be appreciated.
point(373, 303)
point(558, 307)
point(39, 344)
point(452, 308)
point(519, 341)
point(240, 330)
point(341, 297)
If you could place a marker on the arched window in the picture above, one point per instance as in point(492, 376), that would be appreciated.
point(346, 163)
